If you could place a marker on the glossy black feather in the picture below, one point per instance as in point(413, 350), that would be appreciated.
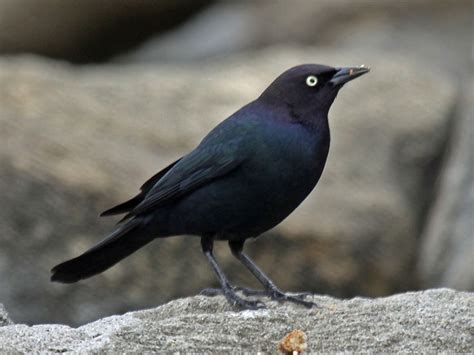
point(121, 243)
point(193, 170)
point(129, 205)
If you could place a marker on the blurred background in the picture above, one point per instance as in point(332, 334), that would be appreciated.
point(96, 96)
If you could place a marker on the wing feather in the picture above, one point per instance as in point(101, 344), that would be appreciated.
point(129, 205)
point(196, 169)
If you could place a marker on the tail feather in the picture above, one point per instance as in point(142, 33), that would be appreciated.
point(124, 241)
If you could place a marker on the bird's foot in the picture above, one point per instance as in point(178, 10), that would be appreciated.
point(280, 296)
point(242, 303)
point(211, 292)
point(253, 292)
point(276, 295)
point(233, 299)
point(302, 295)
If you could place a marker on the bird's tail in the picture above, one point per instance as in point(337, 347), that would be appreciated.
point(125, 240)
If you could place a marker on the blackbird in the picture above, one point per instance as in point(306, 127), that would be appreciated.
point(246, 176)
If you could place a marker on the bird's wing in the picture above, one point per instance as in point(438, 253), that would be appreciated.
point(129, 205)
point(206, 163)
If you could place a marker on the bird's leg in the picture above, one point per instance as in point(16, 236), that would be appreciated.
point(270, 288)
point(207, 244)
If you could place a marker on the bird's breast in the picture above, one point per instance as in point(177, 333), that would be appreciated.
point(284, 169)
point(281, 167)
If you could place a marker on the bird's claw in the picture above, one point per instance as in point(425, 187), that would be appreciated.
point(302, 295)
point(251, 292)
point(233, 298)
point(276, 295)
point(211, 292)
point(241, 303)
point(298, 298)
point(247, 304)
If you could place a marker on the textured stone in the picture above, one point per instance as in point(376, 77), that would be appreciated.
point(447, 250)
point(86, 30)
point(76, 140)
point(4, 318)
point(392, 27)
point(430, 321)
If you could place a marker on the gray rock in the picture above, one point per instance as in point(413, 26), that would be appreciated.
point(86, 30)
point(430, 321)
point(76, 140)
point(447, 250)
point(384, 25)
point(4, 318)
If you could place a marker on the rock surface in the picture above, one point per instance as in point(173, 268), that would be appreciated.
point(76, 140)
point(86, 31)
point(4, 318)
point(447, 251)
point(392, 27)
point(431, 321)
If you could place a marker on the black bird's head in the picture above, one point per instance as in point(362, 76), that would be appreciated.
point(308, 90)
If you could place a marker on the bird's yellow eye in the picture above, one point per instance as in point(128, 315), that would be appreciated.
point(311, 80)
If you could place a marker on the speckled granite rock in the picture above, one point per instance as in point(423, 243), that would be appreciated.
point(447, 243)
point(86, 30)
point(431, 321)
point(4, 318)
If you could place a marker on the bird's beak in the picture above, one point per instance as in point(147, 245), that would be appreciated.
point(343, 75)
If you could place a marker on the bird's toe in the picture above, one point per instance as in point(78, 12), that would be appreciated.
point(298, 298)
point(211, 292)
point(251, 304)
point(251, 292)
point(302, 295)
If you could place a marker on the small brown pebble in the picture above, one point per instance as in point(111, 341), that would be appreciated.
point(293, 343)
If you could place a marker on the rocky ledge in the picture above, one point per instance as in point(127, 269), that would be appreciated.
point(433, 320)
